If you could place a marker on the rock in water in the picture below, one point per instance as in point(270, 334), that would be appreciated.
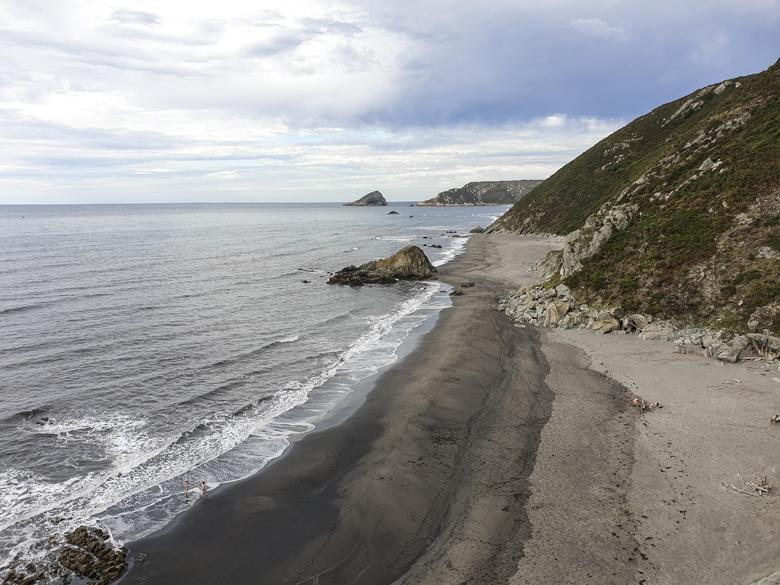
point(373, 198)
point(392, 213)
point(409, 263)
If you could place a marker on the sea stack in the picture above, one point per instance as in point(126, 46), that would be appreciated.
point(375, 198)
point(409, 263)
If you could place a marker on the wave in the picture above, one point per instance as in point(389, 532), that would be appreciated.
point(147, 471)
point(242, 357)
point(23, 308)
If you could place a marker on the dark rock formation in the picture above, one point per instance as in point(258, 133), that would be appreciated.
point(89, 554)
point(392, 213)
point(375, 198)
point(484, 193)
point(409, 263)
point(477, 230)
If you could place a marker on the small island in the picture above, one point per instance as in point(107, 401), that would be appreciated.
point(375, 198)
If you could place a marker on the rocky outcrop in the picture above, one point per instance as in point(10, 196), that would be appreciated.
point(375, 198)
point(676, 213)
point(409, 263)
point(544, 306)
point(591, 237)
point(484, 193)
point(90, 555)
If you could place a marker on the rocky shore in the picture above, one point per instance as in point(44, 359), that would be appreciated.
point(542, 305)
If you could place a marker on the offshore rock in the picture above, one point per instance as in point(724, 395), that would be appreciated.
point(375, 198)
point(409, 263)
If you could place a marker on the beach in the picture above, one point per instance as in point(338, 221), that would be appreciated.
point(495, 453)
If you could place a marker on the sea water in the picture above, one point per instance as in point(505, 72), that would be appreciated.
point(145, 345)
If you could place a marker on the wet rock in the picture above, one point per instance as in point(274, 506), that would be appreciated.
point(409, 263)
point(468, 284)
point(456, 293)
point(477, 230)
point(90, 555)
point(392, 213)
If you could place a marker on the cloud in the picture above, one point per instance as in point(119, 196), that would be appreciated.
point(598, 29)
point(301, 96)
point(135, 17)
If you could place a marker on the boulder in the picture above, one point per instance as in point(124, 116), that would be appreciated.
point(409, 263)
point(555, 312)
point(730, 351)
point(392, 213)
point(762, 318)
point(605, 322)
point(767, 346)
point(636, 323)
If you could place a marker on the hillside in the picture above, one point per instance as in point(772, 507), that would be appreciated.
point(375, 198)
point(677, 214)
point(484, 193)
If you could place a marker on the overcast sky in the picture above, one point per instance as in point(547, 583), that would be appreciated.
point(304, 100)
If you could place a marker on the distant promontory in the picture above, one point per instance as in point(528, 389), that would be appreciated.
point(484, 193)
point(375, 198)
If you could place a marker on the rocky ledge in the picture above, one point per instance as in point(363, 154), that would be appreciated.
point(545, 306)
point(91, 556)
point(409, 263)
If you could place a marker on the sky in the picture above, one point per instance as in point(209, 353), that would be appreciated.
point(312, 100)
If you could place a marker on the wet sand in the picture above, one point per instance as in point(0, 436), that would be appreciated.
point(425, 483)
point(497, 454)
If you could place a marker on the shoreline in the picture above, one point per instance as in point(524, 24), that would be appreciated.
point(498, 453)
point(364, 500)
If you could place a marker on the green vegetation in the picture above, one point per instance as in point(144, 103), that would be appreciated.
point(704, 172)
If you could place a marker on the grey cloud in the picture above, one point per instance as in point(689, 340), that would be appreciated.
point(281, 42)
point(127, 16)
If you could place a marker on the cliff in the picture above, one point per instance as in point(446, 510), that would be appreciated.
point(375, 198)
point(484, 193)
point(676, 215)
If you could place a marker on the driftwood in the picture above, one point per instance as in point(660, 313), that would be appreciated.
point(756, 488)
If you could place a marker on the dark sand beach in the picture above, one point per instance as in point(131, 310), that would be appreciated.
point(495, 453)
point(429, 475)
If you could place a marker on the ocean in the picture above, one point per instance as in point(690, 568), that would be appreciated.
point(145, 345)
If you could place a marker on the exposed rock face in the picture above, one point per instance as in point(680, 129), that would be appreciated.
point(674, 214)
point(591, 237)
point(484, 193)
point(409, 263)
point(375, 198)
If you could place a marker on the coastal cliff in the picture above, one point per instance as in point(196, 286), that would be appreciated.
point(673, 218)
point(375, 198)
point(484, 193)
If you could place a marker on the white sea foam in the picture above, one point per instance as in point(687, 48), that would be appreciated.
point(455, 249)
point(147, 473)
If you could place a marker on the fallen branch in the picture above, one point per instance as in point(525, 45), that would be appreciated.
point(757, 488)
